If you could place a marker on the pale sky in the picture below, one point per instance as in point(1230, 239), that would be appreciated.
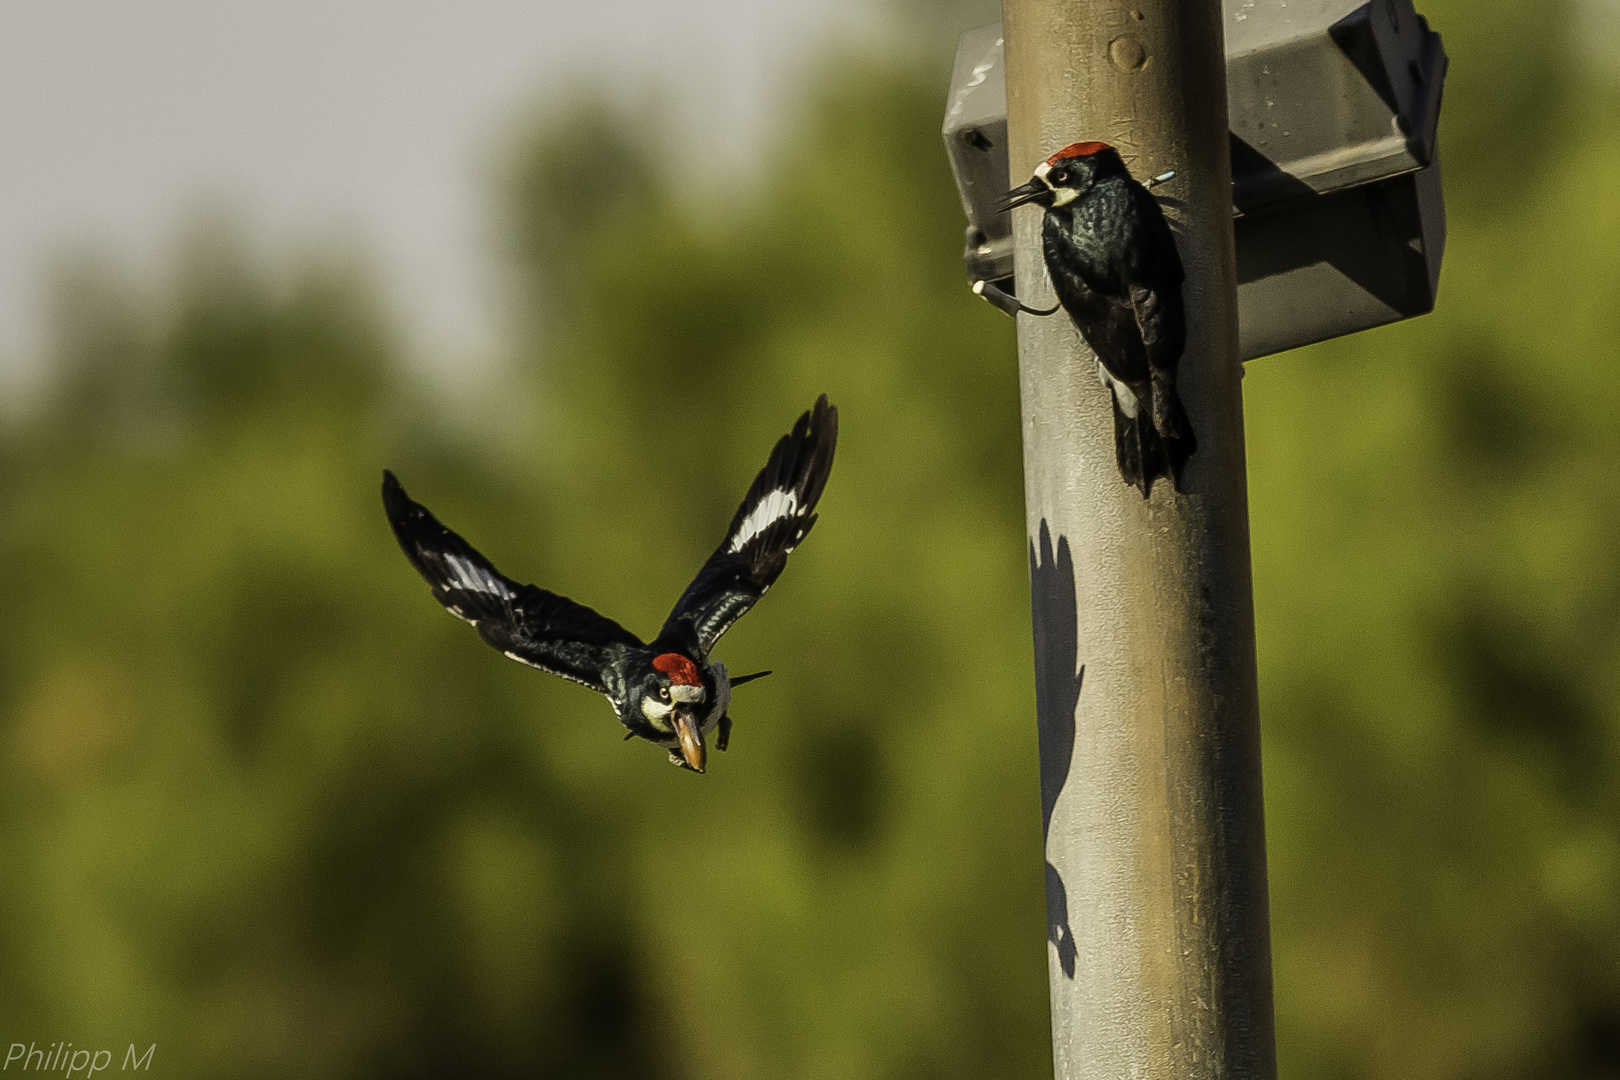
point(378, 121)
point(377, 124)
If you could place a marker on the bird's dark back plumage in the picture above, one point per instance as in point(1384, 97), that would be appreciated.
point(1117, 272)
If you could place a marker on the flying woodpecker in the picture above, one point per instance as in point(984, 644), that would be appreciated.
point(667, 691)
point(1116, 271)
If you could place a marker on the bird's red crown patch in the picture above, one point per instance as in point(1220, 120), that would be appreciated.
point(679, 669)
point(1079, 149)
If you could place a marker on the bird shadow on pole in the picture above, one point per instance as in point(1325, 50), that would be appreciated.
point(1058, 678)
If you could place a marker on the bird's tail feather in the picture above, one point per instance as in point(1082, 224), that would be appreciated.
point(1144, 454)
point(1128, 446)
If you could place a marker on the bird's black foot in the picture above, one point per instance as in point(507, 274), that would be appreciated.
point(723, 738)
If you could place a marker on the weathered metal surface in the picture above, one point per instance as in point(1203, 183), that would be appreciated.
point(1143, 612)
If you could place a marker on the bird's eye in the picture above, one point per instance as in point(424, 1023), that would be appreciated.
point(1058, 176)
point(663, 693)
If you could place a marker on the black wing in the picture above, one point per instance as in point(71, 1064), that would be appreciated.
point(528, 624)
point(774, 517)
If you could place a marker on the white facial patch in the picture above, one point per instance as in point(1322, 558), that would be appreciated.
point(771, 509)
point(655, 710)
point(684, 693)
point(474, 578)
point(1061, 196)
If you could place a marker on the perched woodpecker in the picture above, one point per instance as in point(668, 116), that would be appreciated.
point(1116, 271)
point(668, 691)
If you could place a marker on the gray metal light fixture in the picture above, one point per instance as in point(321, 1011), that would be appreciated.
point(1333, 106)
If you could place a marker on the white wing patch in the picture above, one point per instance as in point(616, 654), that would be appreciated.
point(474, 578)
point(771, 509)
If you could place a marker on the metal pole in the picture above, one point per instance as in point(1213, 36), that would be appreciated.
point(1144, 621)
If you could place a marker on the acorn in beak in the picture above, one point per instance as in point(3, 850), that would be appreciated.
point(1036, 191)
point(691, 736)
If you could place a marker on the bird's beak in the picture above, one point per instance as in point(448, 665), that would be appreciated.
point(691, 736)
point(1035, 191)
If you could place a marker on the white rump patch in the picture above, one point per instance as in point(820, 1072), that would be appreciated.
point(474, 578)
point(771, 509)
point(1122, 393)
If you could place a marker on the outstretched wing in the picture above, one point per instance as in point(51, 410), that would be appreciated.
point(528, 624)
point(774, 517)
